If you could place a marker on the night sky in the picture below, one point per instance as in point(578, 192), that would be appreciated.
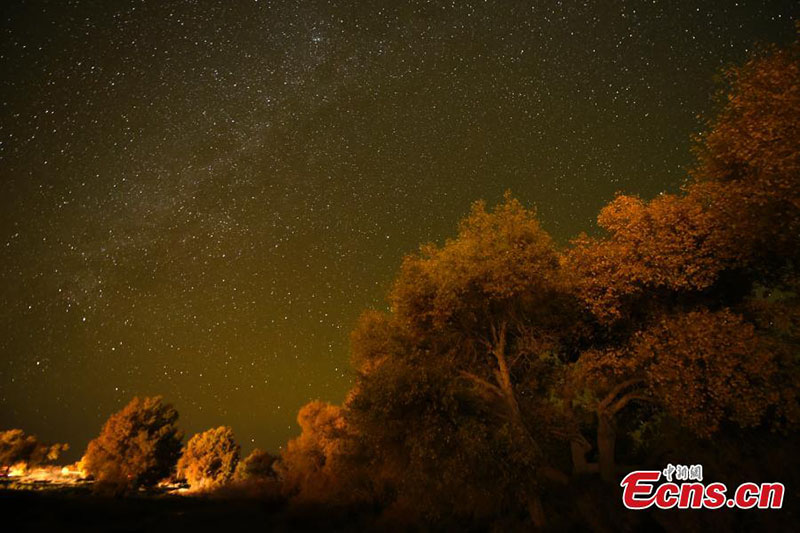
point(198, 200)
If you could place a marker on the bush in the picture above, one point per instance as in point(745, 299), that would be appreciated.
point(209, 459)
point(17, 447)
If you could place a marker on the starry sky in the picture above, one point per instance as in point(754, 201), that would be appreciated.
point(199, 198)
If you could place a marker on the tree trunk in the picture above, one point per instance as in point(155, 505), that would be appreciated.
point(606, 436)
point(503, 376)
point(505, 388)
point(606, 441)
point(536, 511)
point(579, 449)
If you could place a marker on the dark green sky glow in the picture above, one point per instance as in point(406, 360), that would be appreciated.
point(198, 200)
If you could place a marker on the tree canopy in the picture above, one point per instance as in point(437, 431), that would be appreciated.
point(209, 458)
point(137, 446)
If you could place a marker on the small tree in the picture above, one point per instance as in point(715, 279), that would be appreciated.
point(209, 459)
point(138, 446)
point(316, 466)
point(258, 465)
point(17, 447)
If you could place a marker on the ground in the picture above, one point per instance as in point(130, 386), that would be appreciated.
point(79, 510)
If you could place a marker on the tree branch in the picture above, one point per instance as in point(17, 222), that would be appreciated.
point(555, 475)
point(625, 400)
point(616, 391)
point(572, 436)
point(518, 357)
point(499, 338)
point(482, 382)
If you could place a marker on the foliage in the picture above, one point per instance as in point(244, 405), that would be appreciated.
point(672, 245)
point(209, 459)
point(753, 140)
point(138, 446)
point(452, 398)
point(258, 465)
point(317, 466)
point(748, 162)
point(701, 367)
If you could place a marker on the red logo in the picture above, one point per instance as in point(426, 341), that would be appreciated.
point(641, 490)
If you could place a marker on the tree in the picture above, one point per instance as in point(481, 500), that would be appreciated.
point(138, 446)
point(258, 465)
point(754, 139)
point(702, 368)
point(748, 161)
point(677, 283)
point(653, 253)
point(209, 459)
point(659, 258)
point(458, 375)
point(736, 223)
point(314, 466)
point(17, 447)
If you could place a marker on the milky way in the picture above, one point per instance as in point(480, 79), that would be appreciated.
point(198, 200)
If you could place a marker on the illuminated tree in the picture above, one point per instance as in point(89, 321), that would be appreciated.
point(209, 459)
point(17, 447)
point(678, 285)
point(737, 222)
point(316, 466)
point(458, 375)
point(653, 252)
point(748, 162)
point(138, 446)
point(754, 140)
point(702, 368)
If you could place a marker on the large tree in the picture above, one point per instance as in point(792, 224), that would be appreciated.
point(748, 162)
point(683, 281)
point(703, 369)
point(458, 374)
